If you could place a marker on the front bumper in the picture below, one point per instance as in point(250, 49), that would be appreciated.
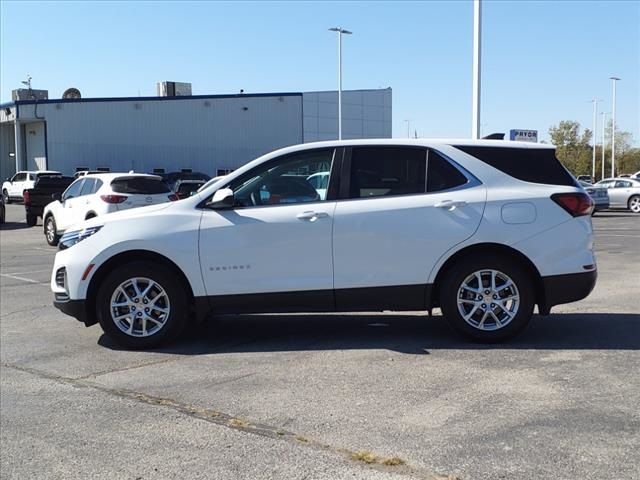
point(559, 289)
point(73, 308)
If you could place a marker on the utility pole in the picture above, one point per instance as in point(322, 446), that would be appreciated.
point(477, 37)
point(340, 31)
point(604, 129)
point(613, 127)
point(595, 141)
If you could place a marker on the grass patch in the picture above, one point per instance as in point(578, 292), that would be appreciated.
point(364, 456)
point(393, 461)
point(302, 439)
point(237, 422)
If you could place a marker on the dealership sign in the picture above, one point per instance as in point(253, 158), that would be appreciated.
point(524, 135)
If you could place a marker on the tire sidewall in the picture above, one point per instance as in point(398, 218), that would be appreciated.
point(32, 220)
point(629, 203)
point(174, 289)
point(464, 268)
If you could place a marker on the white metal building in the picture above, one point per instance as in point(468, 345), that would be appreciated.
point(206, 133)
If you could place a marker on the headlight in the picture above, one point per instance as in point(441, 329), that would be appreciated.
point(69, 239)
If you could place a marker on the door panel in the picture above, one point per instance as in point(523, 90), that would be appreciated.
point(267, 249)
point(391, 241)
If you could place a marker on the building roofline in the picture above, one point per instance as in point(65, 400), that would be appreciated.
point(148, 99)
point(186, 97)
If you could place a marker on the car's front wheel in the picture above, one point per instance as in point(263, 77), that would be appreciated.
point(634, 204)
point(50, 231)
point(488, 298)
point(142, 305)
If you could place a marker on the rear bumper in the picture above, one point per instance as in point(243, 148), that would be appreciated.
point(559, 289)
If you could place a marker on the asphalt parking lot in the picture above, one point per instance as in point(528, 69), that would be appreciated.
point(363, 396)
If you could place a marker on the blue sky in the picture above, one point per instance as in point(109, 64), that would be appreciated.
point(542, 61)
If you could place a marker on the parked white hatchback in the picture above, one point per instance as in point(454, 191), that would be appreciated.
point(94, 195)
point(14, 187)
point(477, 228)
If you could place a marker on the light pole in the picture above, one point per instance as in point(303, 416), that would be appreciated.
point(340, 31)
point(408, 121)
point(604, 129)
point(477, 37)
point(613, 127)
point(595, 139)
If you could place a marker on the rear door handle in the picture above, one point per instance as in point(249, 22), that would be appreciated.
point(451, 204)
point(311, 215)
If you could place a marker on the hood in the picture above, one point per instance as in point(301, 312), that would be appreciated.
point(124, 214)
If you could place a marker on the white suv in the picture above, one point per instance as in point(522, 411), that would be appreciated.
point(93, 195)
point(484, 230)
point(14, 187)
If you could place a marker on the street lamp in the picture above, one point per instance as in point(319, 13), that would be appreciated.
point(340, 31)
point(595, 140)
point(613, 127)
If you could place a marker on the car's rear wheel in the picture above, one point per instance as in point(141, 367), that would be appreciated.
point(31, 219)
point(634, 204)
point(5, 195)
point(488, 298)
point(50, 231)
point(142, 305)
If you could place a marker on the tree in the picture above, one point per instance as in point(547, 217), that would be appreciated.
point(572, 147)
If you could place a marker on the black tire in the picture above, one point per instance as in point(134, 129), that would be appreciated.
point(50, 231)
point(175, 291)
point(456, 276)
point(634, 204)
point(90, 215)
point(7, 200)
point(32, 220)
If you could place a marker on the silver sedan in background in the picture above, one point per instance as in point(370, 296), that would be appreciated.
point(623, 192)
point(599, 195)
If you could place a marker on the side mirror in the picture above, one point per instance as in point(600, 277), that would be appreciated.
point(56, 196)
point(222, 199)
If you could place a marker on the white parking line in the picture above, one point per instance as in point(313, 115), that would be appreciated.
point(28, 273)
point(23, 279)
point(616, 235)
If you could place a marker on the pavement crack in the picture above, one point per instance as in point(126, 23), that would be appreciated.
point(392, 464)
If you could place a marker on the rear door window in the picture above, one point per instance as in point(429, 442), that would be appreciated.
point(387, 171)
point(97, 185)
point(139, 186)
point(87, 186)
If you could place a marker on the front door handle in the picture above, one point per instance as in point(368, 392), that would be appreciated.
point(311, 215)
point(451, 204)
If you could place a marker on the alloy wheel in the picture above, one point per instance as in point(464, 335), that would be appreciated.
point(140, 307)
point(488, 300)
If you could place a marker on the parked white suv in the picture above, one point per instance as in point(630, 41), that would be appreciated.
point(94, 195)
point(477, 228)
point(14, 187)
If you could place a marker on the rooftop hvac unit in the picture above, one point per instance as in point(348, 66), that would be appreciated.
point(173, 89)
point(29, 94)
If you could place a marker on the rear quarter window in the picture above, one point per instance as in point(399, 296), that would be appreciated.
point(140, 186)
point(527, 164)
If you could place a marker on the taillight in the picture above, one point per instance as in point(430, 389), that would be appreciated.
point(173, 197)
point(575, 204)
point(27, 198)
point(113, 198)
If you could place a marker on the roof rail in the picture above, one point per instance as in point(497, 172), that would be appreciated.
point(494, 136)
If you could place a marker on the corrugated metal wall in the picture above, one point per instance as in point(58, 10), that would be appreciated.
point(202, 134)
point(365, 114)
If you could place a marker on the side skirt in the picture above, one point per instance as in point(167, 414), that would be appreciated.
point(367, 299)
